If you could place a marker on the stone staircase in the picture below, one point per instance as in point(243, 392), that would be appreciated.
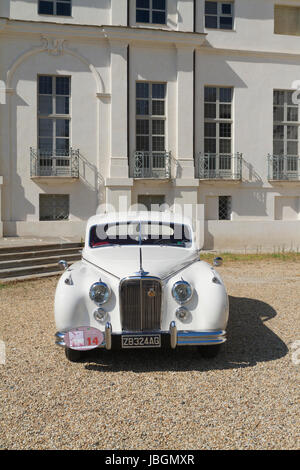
point(28, 262)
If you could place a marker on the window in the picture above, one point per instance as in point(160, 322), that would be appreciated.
point(286, 123)
point(54, 207)
point(55, 7)
point(224, 207)
point(151, 202)
point(150, 117)
point(287, 20)
point(219, 15)
point(151, 11)
point(53, 115)
point(218, 120)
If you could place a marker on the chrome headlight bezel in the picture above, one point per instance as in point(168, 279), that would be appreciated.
point(93, 294)
point(189, 293)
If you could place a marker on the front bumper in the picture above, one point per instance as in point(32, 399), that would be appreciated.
point(171, 338)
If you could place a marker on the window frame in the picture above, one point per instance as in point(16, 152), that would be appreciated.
point(228, 207)
point(55, 2)
point(150, 117)
point(219, 14)
point(285, 123)
point(151, 10)
point(54, 116)
point(52, 196)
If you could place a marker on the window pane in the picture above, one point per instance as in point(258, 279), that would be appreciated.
point(225, 130)
point(142, 126)
point(211, 22)
point(158, 90)
point(225, 111)
point(210, 94)
point(210, 111)
point(158, 108)
point(226, 8)
point(142, 16)
point(210, 129)
point(225, 146)
point(210, 146)
point(225, 22)
point(211, 8)
point(62, 105)
point(292, 114)
point(45, 8)
point(62, 147)
point(45, 85)
point(142, 3)
point(278, 97)
point(62, 85)
point(278, 132)
point(225, 95)
point(159, 4)
point(292, 132)
point(142, 143)
point(62, 128)
point(278, 147)
point(278, 113)
point(142, 90)
point(63, 9)
point(158, 127)
point(45, 127)
point(142, 107)
point(158, 144)
point(45, 146)
point(158, 17)
point(45, 105)
point(289, 97)
point(292, 148)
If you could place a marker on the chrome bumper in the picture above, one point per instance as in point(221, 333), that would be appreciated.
point(177, 338)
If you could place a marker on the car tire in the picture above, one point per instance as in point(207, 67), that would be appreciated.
point(73, 355)
point(209, 352)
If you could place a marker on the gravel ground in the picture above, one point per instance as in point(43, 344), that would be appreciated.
point(246, 398)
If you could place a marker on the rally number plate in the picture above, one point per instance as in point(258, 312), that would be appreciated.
point(141, 341)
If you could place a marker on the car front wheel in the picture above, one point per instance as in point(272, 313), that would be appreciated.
point(73, 355)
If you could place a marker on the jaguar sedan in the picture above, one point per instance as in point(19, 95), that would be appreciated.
point(141, 283)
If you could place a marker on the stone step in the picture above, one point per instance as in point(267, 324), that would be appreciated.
point(61, 252)
point(30, 277)
point(29, 270)
point(34, 248)
point(23, 262)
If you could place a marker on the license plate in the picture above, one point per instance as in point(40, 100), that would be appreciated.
point(141, 341)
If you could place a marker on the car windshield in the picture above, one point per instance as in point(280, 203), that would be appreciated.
point(140, 233)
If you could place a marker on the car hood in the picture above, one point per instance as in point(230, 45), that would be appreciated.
point(123, 261)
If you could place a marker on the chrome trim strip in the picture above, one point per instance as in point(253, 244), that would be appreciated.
point(108, 330)
point(101, 269)
point(195, 338)
point(173, 334)
point(183, 266)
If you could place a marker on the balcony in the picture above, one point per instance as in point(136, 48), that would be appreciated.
point(219, 167)
point(283, 168)
point(147, 165)
point(54, 165)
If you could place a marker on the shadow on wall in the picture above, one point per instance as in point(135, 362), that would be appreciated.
point(250, 341)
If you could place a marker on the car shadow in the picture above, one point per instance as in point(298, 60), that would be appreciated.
point(250, 341)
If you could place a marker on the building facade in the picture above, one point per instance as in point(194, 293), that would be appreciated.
point(151, 101)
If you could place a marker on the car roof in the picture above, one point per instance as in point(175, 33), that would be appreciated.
point(139, 216)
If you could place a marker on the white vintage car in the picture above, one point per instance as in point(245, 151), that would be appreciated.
point(140, 284)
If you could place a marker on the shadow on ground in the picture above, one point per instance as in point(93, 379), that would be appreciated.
point(250, 341)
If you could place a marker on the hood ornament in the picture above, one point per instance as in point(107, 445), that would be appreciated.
point(141, 271)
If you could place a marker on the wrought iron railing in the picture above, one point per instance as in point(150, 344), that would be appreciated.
point(219, 166)
point(54, 164)
point(156, 165)
point(283, 168)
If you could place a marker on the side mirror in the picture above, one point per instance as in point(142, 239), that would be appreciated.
point(218, 261)
point(63, 264)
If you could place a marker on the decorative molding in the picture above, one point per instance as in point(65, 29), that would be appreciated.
point(52, 45)
point(104, 96)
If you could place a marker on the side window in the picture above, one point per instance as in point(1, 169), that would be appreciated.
point(55, 7)
point(151, 11)
point(219, 15)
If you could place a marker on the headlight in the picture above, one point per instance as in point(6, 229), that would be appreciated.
point(100, 292)
point(182, 292)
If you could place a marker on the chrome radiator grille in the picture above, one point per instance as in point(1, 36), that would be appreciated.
point(140, 304)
